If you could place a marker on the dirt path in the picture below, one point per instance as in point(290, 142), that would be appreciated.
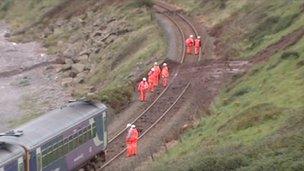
point(28, 85)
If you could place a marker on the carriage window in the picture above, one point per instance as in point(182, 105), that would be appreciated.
point(67, 145)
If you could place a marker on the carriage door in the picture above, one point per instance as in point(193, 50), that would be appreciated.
point(39, 159)
point(105, 133)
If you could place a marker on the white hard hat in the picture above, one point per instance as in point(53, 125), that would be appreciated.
point(133, 126)
point(164, 64)
point(198, 37)
point(155, 63)
point(128, 125)
point(144, 79)
point(152, 69)
point(191, 35)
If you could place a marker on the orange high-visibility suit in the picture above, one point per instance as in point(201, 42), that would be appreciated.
point(157, 72)
point(129, 143)
point(189, 45)
point(134, 140)
point(165, 75)
point(151, 80)
point(197, 46)
point(142, 88)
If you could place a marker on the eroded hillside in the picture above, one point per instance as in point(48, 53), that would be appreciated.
point(102, 47)
point(257, 121)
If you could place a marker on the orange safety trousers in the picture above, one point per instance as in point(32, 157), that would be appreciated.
point(132, 143)
point(165, 76)
point(197, 50)
point(197, 46)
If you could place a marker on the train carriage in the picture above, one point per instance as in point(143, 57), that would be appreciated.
point(11, 157)
point(63, 139)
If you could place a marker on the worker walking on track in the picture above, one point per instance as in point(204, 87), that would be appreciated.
point(131, 140)
point(189, 44)
point(134, 140)
point(197, 45)
point(142, 88)
point(152, 79)
point(165, 75)
point(157, 72)
point(128, 140)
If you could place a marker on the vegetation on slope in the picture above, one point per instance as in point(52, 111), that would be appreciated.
point(245, 27)
point(116, 42)
point(257, 123)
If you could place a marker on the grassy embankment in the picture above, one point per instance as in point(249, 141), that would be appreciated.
point(258, 120)
point(118, 65)
point(133, 55)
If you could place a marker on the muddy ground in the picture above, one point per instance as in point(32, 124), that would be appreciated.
point(29, 85)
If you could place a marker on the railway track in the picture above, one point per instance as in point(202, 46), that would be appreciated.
point(168, 98)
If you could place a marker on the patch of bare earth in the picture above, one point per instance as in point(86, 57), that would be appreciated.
point(207, 79)
point(206, 82)
point(28, 83)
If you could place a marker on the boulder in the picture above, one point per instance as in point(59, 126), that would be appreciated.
point(66, 67)
point(78, 68)
point(7, 35)
point(68, 53)
point(60, 60)
point(68, 61)
point(82, 59)
point(92, 89)
point(79, 80)
point(66, 82)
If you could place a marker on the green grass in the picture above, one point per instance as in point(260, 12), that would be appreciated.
point(247, 26)
point(257, 123)
point(23, 13)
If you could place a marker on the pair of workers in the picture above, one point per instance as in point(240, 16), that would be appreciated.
point(193, 43)
point(155, 74)
point(131, 140)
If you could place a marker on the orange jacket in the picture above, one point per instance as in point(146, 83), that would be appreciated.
point(165, 72)
point(152, 77)
point(189, 42)
point(197, 43)
point(157, 70)
point(133, 135)
point(143, 86)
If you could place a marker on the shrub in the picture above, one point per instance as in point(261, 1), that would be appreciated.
point(117, 97)
point(5, 5)
point(271, 25)
point(290, 55)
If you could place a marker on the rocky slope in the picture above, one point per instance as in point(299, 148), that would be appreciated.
point(102, 47)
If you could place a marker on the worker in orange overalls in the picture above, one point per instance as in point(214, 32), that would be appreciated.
point(142, 88)
point(134, 139)
point(189, 44)
point(152, 79)
point(128, 141)
point(165, 75)
point(197, 45)
point(157, 72)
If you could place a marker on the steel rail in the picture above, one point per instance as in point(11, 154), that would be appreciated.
point(146, 110)
point(150, 106)
point(181, 33)
point(192, 27)
point(149, 128)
